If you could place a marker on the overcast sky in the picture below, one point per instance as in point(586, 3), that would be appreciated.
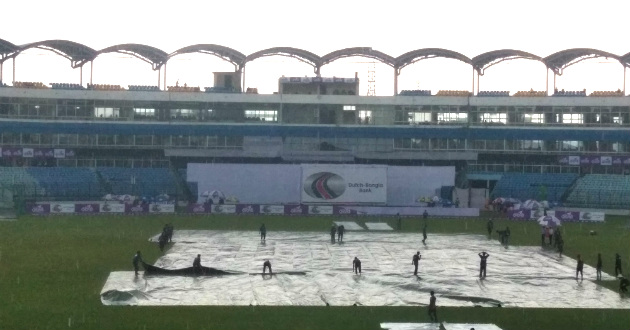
point(393, 27)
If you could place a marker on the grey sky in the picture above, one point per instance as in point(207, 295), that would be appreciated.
point(393, 27)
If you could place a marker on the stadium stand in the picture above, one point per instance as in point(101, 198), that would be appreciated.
point(66, 86)
point(415, 92)
point(453, 93)
point(25, 84)
point(142, 88)
point(18, 178)
point(67, 183)
point(601, 190)
point(139, 181)
point(180, 89)
point(531, 93)
point(569, 93)
point(220, 90)
point(493, 93)
point(616, 93)
point(526, 186)
point(101, 87)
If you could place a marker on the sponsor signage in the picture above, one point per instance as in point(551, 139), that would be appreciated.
point(592, 216)
point(519, 214)
point(140, 208)
point(247, 208)
point(62, 208)
point(320, 209)
point(10, 152)
point(198, 208)
point(28, 152)
point(224, 209)
point(162, 208)
point(343, 210)
point(38, 208)
point(344, 184)
point(295, 209)
point(272, 209)
point(594, 160)
point(90, 208)
point(112, 208)
point(567, 216)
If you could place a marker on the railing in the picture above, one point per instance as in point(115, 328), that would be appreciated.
point(522, 168)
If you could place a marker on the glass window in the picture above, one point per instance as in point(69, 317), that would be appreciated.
point(106, 112)
point(262, 115)
point(572, 118)
point(488, 117)
point(365, 117)
point(534, 118)
point(452, 117)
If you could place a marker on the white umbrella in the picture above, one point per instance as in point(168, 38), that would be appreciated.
point(531, 204)
point(549, 221)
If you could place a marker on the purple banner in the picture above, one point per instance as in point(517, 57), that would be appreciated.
point(198, 208)
point(343, 210)
point(519, 214)
point(87, 208)
point(567, 216)
point(295, 209)
point(140, 208)
point(247, 208)
point(38, 208)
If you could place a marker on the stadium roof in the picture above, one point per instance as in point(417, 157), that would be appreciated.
point(77, 53)
point(7, 49)
point(625, 60)
point(359, 51)
point(155, 57)
point(233, 56)
point(425, 53)
point(483, 61)
point(565, 58)
point(300, 54)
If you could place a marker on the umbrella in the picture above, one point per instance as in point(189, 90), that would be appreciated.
point(531, 205)
point(498, 200)
point(549, 221)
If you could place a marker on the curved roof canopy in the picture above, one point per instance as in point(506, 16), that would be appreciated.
point(7, 49)
point(426, 53)
point(151, 55)
point(565, 58)
point(359, 51)
point(299, 54)
point(484, 61)
point(77, 53)
point(228, 54)
point(625, 60)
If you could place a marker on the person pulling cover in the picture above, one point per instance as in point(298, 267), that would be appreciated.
point(266, 265)
point(415, 261)
point(136, 260)
point(482, 266)
point(197, 265)
point(356, 265)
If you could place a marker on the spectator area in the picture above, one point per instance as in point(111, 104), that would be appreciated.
point(601, 191)
point(526, 186)
point(139, 181)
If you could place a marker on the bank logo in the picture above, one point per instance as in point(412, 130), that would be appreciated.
point(324, 185)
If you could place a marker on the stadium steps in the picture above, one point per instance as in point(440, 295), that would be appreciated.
point(180, 178)
point(107, 187)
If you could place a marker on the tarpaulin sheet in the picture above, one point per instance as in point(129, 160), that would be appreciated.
point(378, 226)
point(468, 326)
point(410, 326)
point(516, 276)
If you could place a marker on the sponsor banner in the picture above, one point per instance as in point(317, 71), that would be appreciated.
point(344, 184)
point(567, 216)
point(224, 209)
point(247, 208)
point(162, 208)
point(592, 216)
point(519, 214)
point(140, 208)
point(343, 210)
point(320, 209)
point(606, 160)
point(27, 152)
point(406, 211)
point(61, 208)
point(272, 209)
point(60, 153)
point(38, 208)
point(70, 153)
point(112, 208)
point(198, 208)
point(84, 208)
point(295, 209)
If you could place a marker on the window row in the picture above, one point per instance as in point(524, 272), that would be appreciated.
point(8, 138)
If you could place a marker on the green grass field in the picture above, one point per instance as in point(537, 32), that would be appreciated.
point(52, 270)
